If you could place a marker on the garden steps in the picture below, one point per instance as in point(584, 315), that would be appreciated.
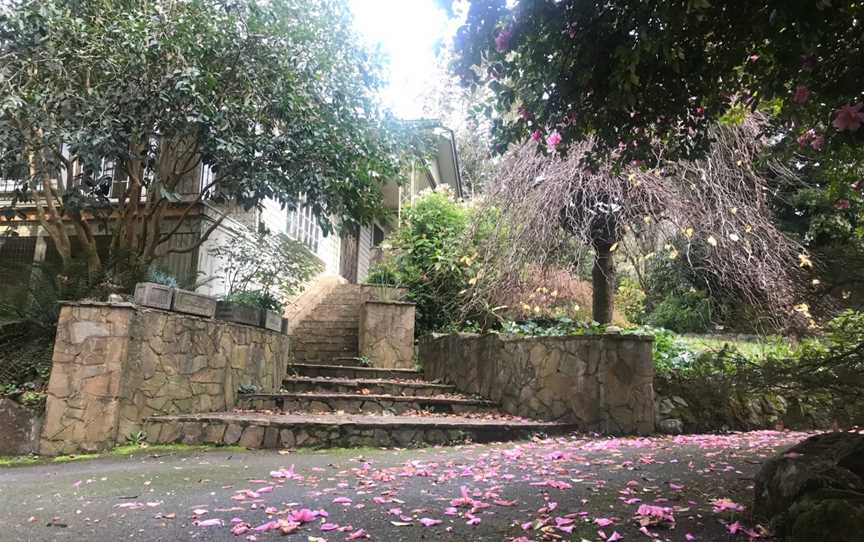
point(355, 371)
point(331, 329)
point(272, 431)
point(354, 403)
point(365, 386)
point(326, 406)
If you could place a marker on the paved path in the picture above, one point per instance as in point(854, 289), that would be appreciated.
point(570, 488)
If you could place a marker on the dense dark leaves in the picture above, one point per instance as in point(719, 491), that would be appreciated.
point(645, 75)
point(276, 99)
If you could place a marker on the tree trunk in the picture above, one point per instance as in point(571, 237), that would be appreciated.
point(603, 283)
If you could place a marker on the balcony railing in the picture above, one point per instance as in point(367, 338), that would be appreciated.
point(204, 177)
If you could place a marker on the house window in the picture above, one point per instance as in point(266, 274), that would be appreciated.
point(303, 227)
point(377, 235)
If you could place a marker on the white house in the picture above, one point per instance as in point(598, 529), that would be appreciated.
point(346, 255)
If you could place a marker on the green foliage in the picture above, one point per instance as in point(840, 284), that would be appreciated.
point(432, 256)
point(688, 312)
point(383, 273)
point(659, 72)
point(138, 438)
point(557, 327)
point(246, 389)
point(274, 264)
point(259, 299)
point(670, 353)
point(630, 298)
point(276, 99)
point(48, 283)
point(161, 277)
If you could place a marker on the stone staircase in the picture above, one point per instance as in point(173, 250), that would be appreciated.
point(328, 334)
point(326, 405)
point(328, 399)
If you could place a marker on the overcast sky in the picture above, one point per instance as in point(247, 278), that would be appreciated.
point(407, 31)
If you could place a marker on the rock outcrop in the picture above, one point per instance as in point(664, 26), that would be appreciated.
point(815, 490)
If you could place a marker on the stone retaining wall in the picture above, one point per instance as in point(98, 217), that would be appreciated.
point(19, 428)
point(386, 334)
point(115, 364)
point(601, 383)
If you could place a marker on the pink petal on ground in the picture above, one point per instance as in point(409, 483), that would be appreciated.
point(269, 526)
point(303, 516)
point(646, 532)
point(722, 505)
point(614, 537)
point(357, 535)
point(215, 522)
point(603, 522)
point(733, 527)
point(329, 526)
point(428, 522)
point(240, 528)
point(342, 500)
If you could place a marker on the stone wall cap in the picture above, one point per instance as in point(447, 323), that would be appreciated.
point(140, 308)
point(377, 302)
point(556, 338)
point(87, 303)
point(587, 337)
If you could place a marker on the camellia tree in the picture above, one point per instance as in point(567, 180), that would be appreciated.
point(648, 82)
point(276, 99)
point(638, 75)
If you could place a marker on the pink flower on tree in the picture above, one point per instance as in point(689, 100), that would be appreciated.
point(536, 135)
point(801, 95)
point(812, 139)
point(849, 117)
point(552, 140)
point(842, 204)
point(524, 114)
point(818, 143)
point(502, 40)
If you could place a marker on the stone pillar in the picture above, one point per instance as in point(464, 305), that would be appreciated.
point(86, 378)
point(386, 334)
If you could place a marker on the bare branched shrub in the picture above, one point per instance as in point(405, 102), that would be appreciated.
point(713, 214)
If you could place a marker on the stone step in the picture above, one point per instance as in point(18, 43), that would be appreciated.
point(262, 430)
point(352, 371)
point(336, 340)
point(327, 358)
point(323, 357)
point(333, 346)
point(342, 361)
point(337, 311)
point(328, 324)
point(366, 386)
point(353, 403)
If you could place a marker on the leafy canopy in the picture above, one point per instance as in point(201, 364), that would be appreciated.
point(644, 75)
point(276, 98)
